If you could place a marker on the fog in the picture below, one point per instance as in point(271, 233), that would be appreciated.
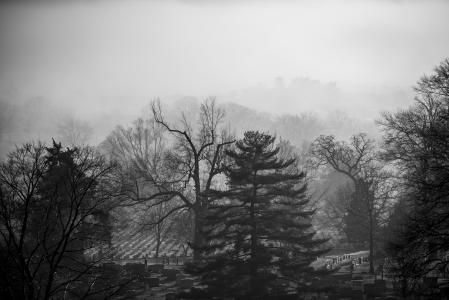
point(224, 149)
point(91, 58)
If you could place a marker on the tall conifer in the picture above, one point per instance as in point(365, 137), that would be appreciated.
point(258, 231)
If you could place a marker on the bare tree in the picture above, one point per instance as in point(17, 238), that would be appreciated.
point(196, 160)
point(163, 229)
point(172, 164)
point(140, 151)
point(53, 213)
point(357, 161)
point(416, 142)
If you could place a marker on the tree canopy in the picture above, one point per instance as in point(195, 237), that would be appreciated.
point(416, 142)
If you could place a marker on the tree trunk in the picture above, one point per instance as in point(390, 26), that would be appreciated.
point(158, 241)
point(197, 232)
point(371, 244)
point(198, 211)
point(253, 266)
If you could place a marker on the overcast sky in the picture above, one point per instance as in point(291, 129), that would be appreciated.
point(89, 52)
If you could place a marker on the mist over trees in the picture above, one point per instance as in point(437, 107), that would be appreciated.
point(253, 197)
point(224, 150)
point(24, 118)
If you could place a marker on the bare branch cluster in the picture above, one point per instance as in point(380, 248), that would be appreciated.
point(373, 185)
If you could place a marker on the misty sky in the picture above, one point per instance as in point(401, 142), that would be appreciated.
point(94, 55)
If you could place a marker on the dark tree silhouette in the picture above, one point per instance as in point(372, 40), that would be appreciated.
point(54, 224)
point(196, 160)
point(169, 168)
point(416, 142)
point(258, 231)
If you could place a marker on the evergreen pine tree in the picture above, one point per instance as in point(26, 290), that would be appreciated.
point(258, 231)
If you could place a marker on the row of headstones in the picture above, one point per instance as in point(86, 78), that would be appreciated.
point(131, 244)
point(129, 247)
point(339, 259)
point(132, 240)
point(146, 248)
point(172, 255)
point(331, 262)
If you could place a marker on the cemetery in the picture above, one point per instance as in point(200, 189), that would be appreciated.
point(189, 202)
point(134, 245)
point(163, 278)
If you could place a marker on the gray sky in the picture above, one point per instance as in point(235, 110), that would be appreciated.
point(94, 54)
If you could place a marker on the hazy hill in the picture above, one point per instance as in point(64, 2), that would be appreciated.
point(41, 119)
